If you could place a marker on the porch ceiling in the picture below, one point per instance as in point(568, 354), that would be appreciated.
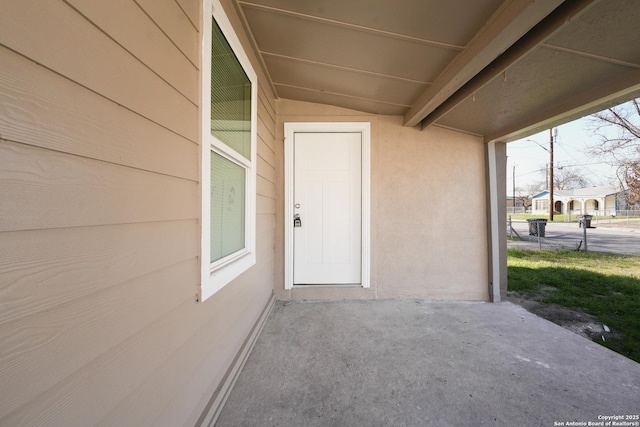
point(497, 68)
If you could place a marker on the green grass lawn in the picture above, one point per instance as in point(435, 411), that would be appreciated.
point(604, 285)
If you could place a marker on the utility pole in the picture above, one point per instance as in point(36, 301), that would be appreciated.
point(546, 173)
point(551, 174)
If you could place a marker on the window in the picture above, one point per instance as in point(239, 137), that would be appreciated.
point(229, 114)
point(542, 205)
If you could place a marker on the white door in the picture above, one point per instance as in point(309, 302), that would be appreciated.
point(328, 202)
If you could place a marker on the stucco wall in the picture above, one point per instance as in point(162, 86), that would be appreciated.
point(428, 215)
point(100, 214)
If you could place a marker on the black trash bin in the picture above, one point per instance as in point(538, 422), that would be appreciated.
point(585, 221)
point(537, 224)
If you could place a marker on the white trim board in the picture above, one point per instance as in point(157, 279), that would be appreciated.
point(214, 276)
point(364, 128)
point(494, 237)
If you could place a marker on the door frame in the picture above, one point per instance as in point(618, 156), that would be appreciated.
point(290, 129)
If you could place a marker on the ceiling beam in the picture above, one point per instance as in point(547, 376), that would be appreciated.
point(546, 28)
point(506, 26)
point(350, 26)
point(342, 67)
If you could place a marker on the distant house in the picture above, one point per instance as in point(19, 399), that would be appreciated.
point(581, 201)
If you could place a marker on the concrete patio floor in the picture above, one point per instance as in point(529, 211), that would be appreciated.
point(418, 363)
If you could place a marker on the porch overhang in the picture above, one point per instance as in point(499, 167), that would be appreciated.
point(501, 69)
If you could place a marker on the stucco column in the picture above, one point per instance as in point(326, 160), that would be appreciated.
point(495, 173)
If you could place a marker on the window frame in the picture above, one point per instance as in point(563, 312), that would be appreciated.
point(215, 275)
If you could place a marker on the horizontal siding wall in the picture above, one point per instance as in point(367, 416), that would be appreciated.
point(99, 218)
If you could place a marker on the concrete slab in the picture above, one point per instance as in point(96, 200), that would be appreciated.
point(418, 363)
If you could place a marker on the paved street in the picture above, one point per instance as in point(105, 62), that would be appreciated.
point(616, 237)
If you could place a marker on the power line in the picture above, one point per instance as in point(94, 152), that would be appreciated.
point(573, 157)
point(560, 167)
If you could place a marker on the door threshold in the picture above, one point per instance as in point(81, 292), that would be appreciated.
point(332, 285)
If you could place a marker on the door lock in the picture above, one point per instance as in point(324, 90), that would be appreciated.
point(297, 222)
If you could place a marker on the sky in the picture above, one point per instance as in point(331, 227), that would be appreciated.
point(570, 150)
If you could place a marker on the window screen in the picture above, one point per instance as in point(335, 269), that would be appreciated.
point(227, 207)
point(230, 96)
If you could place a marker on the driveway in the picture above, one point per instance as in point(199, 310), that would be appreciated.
point(418, 363)
point(616, 237)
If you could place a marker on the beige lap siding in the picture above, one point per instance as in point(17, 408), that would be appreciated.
point(99, 217)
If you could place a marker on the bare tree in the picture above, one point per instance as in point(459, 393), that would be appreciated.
point(565, 178)
point(525, 196)
point(536, 188)
point(619, 131)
